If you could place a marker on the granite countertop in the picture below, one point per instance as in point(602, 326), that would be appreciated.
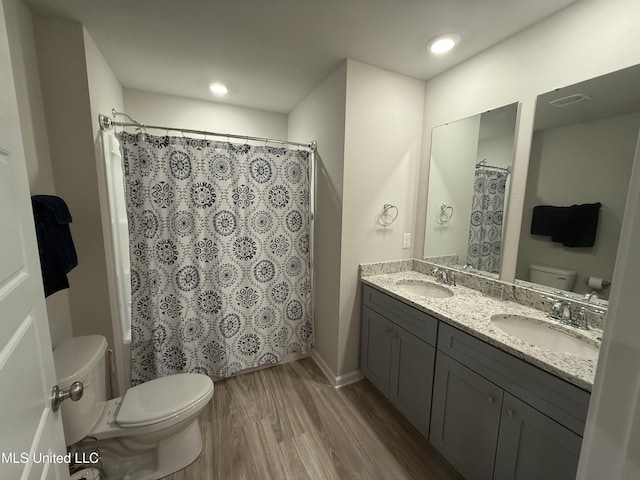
point(471, 311)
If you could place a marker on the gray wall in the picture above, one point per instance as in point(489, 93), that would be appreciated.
point(35, 137)
point(65, 91)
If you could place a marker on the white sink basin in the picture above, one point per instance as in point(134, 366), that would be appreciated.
point(543, 335)
point(424, 289)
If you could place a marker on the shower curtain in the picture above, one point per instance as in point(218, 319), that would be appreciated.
point(220, 260)
point(485, 228)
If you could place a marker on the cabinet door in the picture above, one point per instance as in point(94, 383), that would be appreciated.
point(531, 446)
point(465, 418)
point(375, 349)
point(412, 363)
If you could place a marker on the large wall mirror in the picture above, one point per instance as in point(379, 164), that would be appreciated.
point(469, 178)
point(582, 153)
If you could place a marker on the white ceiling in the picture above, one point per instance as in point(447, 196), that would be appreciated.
point(610, 95)
point(271, 53)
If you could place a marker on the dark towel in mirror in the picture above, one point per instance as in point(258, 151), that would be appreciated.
point(55, 245)
point(582, 225)
point(547, 220)
point(574, 226)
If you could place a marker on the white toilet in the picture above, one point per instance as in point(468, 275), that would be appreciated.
point(150, 432)
point(555, 277)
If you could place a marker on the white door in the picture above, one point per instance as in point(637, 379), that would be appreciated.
point(30, 432)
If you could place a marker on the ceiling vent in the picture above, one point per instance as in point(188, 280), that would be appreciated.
point(570, 100)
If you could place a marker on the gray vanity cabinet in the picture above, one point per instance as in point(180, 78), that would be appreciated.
point(531, 446)
point(397, 354)
point(492, 415)
point(466, 418)
point(485, 431)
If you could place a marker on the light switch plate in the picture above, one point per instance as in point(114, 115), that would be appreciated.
point(406, 240)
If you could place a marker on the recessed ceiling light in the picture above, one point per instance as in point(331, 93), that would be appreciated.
point(443, 43)
point(219, 89)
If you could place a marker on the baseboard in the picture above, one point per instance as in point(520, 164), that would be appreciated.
point(348, 378)
point(339, 381)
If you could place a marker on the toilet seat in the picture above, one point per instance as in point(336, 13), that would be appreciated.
point(163, 398)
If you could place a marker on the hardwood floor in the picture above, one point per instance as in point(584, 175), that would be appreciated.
point(288, 422)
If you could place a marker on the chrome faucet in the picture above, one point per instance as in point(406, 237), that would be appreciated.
point(590, 297)
point(566, 314)
point(442, 276)
point(561, 311)
point(581, 321)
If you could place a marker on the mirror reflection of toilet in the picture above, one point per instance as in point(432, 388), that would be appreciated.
point(149, 432)
point(555, 277)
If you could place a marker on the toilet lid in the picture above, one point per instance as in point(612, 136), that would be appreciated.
point(162, 398)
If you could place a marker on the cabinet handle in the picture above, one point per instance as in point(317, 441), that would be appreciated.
point(491, 399)
point(386, 329)
point(510, 412)
point(394, 335)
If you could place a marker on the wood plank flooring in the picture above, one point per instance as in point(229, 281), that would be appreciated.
point(288, 422)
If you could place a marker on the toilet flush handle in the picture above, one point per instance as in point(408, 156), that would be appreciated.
point(73, 391)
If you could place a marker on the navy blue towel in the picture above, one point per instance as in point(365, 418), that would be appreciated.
point(57, 252)
point(547, 220)
point(574, 226)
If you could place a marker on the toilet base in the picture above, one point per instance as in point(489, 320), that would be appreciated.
point(125, 458)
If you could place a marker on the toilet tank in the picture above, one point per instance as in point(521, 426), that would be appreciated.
point(555, 277)
point(82, 359)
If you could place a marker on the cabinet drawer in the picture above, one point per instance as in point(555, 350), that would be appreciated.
point(556, 398)
point(414, 321)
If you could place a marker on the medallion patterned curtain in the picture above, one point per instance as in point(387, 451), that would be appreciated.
point(485, 228)
point(220, 262)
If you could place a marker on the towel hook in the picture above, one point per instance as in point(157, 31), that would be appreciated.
point(385, 219)
point(446, 212)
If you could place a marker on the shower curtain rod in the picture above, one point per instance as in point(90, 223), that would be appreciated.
point(484, 164)
point(107, 123)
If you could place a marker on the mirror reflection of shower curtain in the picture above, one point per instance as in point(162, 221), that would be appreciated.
point(487, 212)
